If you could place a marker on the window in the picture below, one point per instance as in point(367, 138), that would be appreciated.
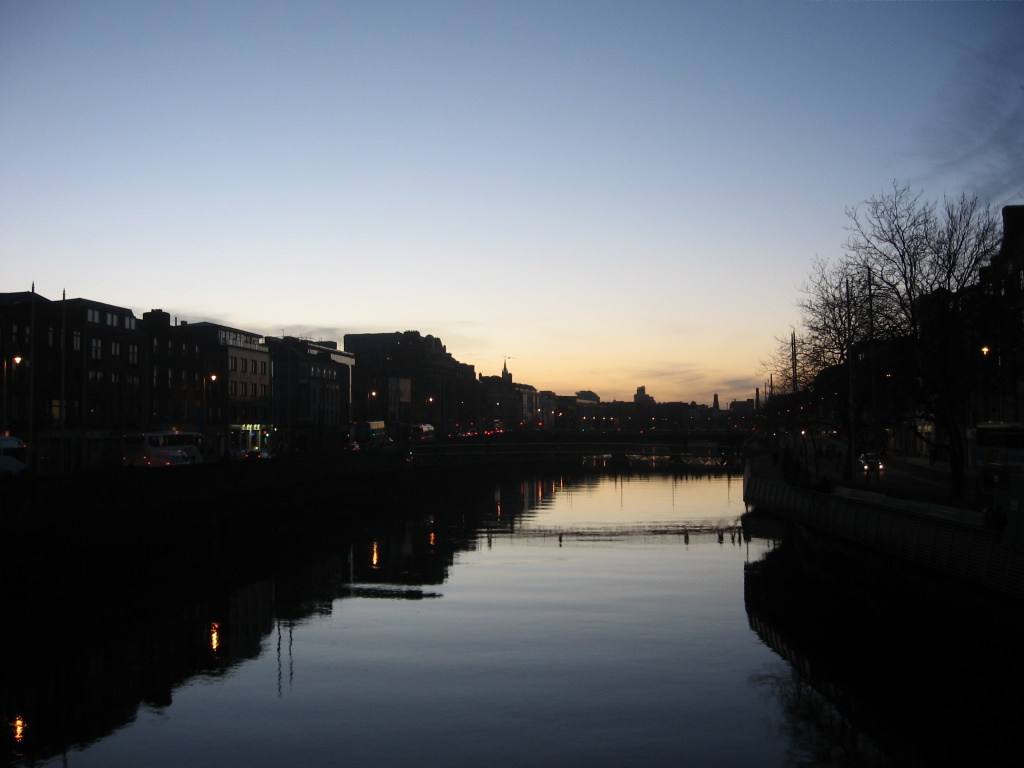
point(133, 354)
point(76, 341)
point(234, 363)
point(95, 349)
point(245, 365)
point(115, 349)
point(92, 315)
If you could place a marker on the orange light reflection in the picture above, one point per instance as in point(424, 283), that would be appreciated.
point(375, 555)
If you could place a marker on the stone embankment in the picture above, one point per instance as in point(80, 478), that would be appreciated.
point(948, 540)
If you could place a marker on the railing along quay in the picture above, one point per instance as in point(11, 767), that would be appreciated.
point(947, 540)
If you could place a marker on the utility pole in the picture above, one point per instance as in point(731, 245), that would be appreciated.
point(852, 447)
point(792, 358)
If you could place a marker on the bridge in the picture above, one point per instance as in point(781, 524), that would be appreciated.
point(692, 455)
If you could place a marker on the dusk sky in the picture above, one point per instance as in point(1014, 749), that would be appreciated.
point(607, 194)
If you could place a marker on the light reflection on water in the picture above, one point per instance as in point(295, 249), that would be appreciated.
point(625, 649)
point(638, 501)
point(605, 625)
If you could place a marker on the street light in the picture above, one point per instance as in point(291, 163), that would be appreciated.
point(17, 361)
point(211, 378)
point(203, 416)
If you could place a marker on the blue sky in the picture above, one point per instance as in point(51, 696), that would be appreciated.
point(608, 194)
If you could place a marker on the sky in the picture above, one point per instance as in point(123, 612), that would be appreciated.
point(601, 195)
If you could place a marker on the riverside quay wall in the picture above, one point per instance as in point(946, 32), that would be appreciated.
point(950, 541)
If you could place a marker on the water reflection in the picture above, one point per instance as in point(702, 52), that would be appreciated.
point(80, 662)
point(885, 666)
point(629, 609)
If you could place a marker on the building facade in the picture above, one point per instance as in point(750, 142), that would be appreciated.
point(311, 402)
point(74, 377)
point(406, 379)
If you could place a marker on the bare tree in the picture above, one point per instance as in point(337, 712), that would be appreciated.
point(834, 312)
point(911, 248)
point(792, 365)
point(966, 237)
point(919, 258)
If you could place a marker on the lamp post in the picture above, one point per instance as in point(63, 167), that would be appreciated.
point(17, 361)
point(202, 427)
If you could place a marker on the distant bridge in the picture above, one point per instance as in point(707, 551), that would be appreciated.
point(694, 455)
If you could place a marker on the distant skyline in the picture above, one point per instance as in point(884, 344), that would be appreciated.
point(608, 195)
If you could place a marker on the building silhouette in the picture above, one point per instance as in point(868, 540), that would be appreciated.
point(312, 393)
point(406, 378)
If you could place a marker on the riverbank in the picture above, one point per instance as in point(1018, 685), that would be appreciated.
point(954, 541)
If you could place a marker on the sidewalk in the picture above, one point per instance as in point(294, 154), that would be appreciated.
point(913, 477)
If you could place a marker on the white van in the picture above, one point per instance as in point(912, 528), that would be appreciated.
point(162, 449)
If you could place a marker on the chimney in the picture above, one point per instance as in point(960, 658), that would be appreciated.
point(1013, 232)
point(157, 317)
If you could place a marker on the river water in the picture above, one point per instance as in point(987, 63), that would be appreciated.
point(593, 620)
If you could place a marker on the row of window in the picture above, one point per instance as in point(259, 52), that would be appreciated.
point(110, 319)
point(99, 380)
point(96, 349)
point(247, 365)
point(247, 389)
point(185, 348)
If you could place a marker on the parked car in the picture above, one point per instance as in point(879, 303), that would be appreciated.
point(256, 453)
point(870, 462)
point(13, 455)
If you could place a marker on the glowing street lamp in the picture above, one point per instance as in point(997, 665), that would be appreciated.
point(211, 378)
point(17, 361)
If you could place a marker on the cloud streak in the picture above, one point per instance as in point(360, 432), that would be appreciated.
point(979, 130)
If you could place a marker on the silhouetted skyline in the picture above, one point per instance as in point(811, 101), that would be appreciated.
point(608, 195)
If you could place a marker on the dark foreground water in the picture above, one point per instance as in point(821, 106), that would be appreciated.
point(567, 621)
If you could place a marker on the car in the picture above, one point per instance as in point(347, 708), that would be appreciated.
point(171, 458)
point(256, 453)
point(13, 455)
point(870, 462)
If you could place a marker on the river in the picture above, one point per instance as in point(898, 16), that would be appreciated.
point(592, 619)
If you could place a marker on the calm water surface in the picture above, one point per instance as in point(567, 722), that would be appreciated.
point(601, 622)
